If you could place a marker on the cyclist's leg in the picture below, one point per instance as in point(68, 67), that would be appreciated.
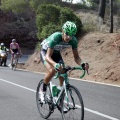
point(46, 109)
point(61, 81)
point(50, 72)
point(12, 57)
point(17, 56)
point(58, 59)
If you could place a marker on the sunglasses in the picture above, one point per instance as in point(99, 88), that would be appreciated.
point(67, 34)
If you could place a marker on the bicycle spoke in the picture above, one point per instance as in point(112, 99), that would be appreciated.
point(15, 61)
point(43, 108)
point(75, 105)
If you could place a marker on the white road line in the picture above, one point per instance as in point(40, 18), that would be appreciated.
point(89, 110)
point(18, 85)
point(101, 114)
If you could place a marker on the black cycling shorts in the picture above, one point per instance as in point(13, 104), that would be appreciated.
point(15, 50)
point(56, 56)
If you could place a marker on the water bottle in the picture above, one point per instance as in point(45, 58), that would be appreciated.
point(58, 90)
point(55, 90)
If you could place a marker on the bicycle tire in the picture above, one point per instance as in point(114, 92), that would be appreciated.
point(73, 93)
point(14, 66)
point(47, 105)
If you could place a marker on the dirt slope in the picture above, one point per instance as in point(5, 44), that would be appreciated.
point(101, 51)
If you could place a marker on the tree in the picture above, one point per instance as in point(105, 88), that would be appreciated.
point(101, 11)
point(50, 18)
point(111, 16)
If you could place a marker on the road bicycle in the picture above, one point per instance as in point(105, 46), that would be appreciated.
point(15, 61)
point(68, 98)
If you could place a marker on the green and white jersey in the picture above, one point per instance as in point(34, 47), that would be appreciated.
point(55, 42)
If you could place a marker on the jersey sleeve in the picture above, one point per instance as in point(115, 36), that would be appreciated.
point(53, 40)
point(74, 43)
point(10, 45)
point(17, 45)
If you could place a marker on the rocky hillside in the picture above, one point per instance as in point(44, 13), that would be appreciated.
point(101, 51)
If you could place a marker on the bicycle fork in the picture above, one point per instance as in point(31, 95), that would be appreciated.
point(73, 106)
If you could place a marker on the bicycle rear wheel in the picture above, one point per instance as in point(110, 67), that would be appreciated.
point(14, 66)
point(75, 106)
point(45, 109)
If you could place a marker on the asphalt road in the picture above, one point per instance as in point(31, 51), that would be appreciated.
point(22, 59)
point(18, 99)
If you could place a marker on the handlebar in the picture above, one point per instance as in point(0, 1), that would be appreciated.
point(68, 68)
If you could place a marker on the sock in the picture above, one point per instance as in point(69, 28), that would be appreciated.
point(44, 87)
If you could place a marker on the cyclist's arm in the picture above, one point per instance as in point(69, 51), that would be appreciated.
point(76, 56)
point(11, 50)
point(19, 49)
point(54, 39)
point(48, 56)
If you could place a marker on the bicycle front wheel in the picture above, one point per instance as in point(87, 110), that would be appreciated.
point(44, 108)
point(14, 66)
point(73, 109)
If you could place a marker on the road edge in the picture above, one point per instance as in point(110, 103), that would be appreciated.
point(101, 83)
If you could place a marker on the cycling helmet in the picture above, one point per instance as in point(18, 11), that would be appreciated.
point(69, 28)
point(2, 44)
point(13, 40)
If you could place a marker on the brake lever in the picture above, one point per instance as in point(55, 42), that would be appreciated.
point(70, 72)
point(87, 72)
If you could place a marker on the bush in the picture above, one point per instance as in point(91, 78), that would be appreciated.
point(50, 18)
point(89, 28)
point(48, 29)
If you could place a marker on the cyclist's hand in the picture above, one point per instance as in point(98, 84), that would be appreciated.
point(57, 67)
point(12, 52)
point(85, 66)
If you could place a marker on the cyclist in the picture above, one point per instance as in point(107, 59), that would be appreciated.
point(3, 48)
point(15, 49)
point(50, 52)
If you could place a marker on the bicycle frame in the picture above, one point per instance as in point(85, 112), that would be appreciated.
point(64, 89)
point(64, 100)
point(65, 84)
point(15, 60)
